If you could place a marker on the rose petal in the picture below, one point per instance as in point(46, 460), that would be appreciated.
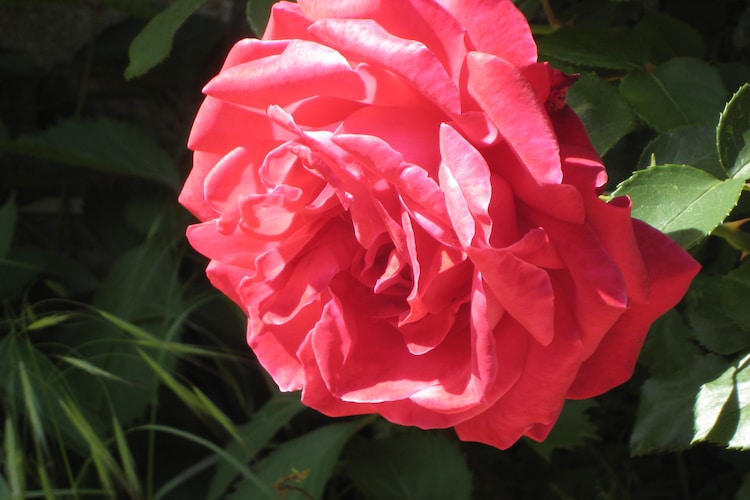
point(192, 196)
point(425, 21)
point(511, 103)
point(251, 49)
point(302, 69)
point(364, 40)
point(220, 126)
point(286, 22)
point(614, 360)
point(507, 35)
point(524, 290)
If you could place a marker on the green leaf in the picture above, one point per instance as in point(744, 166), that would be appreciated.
point(690, 145)
point(667, 37)
point(681, 201)
point(735, 291)
point(4, 488)
point(733, 134)
point(605, 113)
point(194, 399)
point(89, 368)
point(258, 12)
point(14, 458)
point(664, 421)
point(300, 468)
point(722, 408)
point(593, 46)
point(49, 321)
point(140, 298)
point(571, 430)
point(8, 218)
point(669, 348)
point(105, 145)
point(128, 462)
point(154, 43)
point(707, 311)
point(417, 466)
point(32, 386)
point(31, 404)
point(106, 466)
point(682, 91)
point(255, 436)
point(263, 490)
point(143, 285)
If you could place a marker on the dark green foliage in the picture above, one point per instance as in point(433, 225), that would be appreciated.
point(125, 375)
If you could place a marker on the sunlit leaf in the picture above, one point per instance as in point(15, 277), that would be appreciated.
point(722, 408)
point(665, 414)
point(681, 201)
point(733, 134)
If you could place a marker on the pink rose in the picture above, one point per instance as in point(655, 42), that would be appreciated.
point(396, 194)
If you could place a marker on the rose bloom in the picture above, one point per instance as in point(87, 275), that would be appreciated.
point(397, 196)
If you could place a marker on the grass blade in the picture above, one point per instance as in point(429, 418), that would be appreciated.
point(14, 462)
point(237, 465)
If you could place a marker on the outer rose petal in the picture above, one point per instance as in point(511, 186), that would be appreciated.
point(614, 360)
point(397, 196)
point(507, 35)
